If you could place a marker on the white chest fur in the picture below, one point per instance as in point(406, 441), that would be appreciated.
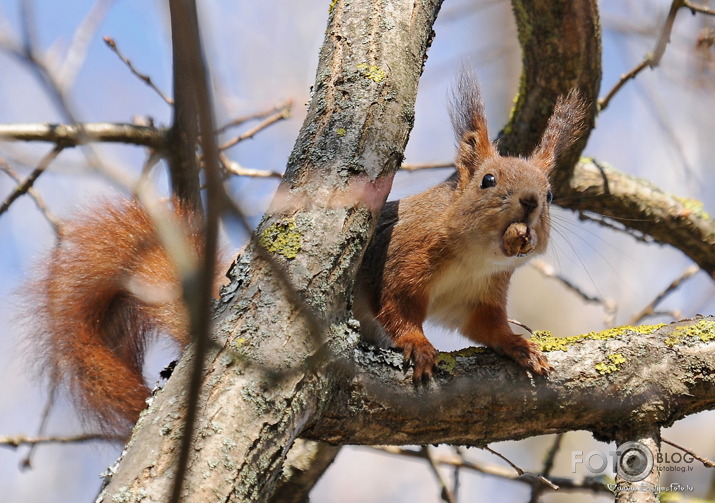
point(464, 283)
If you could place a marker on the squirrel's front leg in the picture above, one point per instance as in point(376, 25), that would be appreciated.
point(488, 325)
point(402, 321)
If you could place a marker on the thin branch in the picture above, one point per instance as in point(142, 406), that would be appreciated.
point(547, 270)
point(521, 472)
point(30, 180)
point(278, 116)
point(538, 489)
point(194, 97)
point(705, 461)
point(649, 310)
point(427, 165)
point(77, 52)
point(694, 7)
point(235, 168)
point(446, 494)
point(72, 135)
point(288, 104)
point(459, 461)
point(39, 202)
point(650, 60)
point(142, 76)
point(17, 441)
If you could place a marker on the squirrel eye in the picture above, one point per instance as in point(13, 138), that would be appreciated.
point(549, 197)
point(488, 181)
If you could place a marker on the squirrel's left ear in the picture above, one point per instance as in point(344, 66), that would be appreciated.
point(564, 127)
point(470, 127)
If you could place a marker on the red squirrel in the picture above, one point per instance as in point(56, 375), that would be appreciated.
point(447, 253)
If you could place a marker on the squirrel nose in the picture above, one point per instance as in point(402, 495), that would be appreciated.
point(529, 202)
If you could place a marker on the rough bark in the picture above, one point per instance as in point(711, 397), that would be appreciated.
point(615, 384)
point(264, 380)
point(561, 50)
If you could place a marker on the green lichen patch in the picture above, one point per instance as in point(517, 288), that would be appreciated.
point(447, 361)
point(341, 131)
point(692, 207)
point(703, 330)
point(372, 72)
point(282, 238)
point(332, 6)
point(614, 363)
point(548, 342)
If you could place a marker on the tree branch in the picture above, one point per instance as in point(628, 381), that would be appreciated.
point(262, 381)
point(665, 374)
point(561, 49)
point(637, 204)
point(71, 135)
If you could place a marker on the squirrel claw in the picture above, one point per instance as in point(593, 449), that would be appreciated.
point(424, 358)
point(527, 355)
point(531, 358)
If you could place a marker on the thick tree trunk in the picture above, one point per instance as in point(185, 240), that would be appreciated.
point(284, 317)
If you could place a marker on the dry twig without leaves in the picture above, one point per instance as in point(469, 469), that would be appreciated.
point(112, 44)
point(39, 202)
point(649, 310)
point(651, 60)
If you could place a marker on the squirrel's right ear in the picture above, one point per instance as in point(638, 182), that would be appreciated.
point(470, 126)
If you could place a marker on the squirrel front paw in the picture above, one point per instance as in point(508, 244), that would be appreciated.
point(423, 356)
point(527, 354)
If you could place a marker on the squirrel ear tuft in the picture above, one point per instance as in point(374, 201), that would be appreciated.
point(470, 126)
point(565, 126)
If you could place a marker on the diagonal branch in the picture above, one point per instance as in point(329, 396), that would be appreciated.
point(639, 205)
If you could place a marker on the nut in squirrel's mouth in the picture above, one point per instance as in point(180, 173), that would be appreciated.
point(518, 240)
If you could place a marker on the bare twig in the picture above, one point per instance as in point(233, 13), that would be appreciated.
point(30, 180)
point(235, 168)
point(288, 104)
point(650, 60)
point(447, 495)
point(77, 52)
point(193, 99)
point(705, 461)
point(278, 116)
point(563, 483)
point(649, 310)
point(426, 165)
point(538, 489)
point(17, 441)
point(548, 271)
point(694, 7)
point(72, 135)
point(523, 473)
point(142, 76)
point(39, 202)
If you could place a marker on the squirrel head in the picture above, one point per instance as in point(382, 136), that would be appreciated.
point(503, 202)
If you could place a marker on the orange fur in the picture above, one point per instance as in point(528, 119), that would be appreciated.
point(106, 289)
point(449, 252)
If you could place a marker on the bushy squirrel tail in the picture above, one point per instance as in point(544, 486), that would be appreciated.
point(107, 288)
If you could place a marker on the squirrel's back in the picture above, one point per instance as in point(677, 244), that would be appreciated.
point(105, 289)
